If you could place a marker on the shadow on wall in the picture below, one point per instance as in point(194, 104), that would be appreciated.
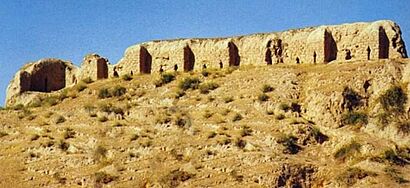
point(330, 47)
point(145, 61)
point(49, 78)
point(189, 59)
point(383, 44)
point(234, 58)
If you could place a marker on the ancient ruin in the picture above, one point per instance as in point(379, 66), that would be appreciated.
point(323, 44)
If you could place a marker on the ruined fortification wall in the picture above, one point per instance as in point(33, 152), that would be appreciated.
point(45, 75)
point(94, 67)
point(324, 44)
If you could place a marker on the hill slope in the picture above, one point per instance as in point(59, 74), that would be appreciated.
point(334, 125)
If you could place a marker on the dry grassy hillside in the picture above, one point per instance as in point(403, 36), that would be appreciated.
point(336, 125)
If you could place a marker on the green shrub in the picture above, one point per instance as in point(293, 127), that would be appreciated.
point(51, 101)
point(87, 80)
point(189, 83)
point(60, 119)
point(394, 158)
point(100, 153)
point(285, 107)
point(80, 87)
point(353, 118)
point(228, 99)
point(404, 127)
point(351, 99)
point(263, 97)
point(280, 117)
point(118, 91)
point(237, 117)
point(351, 175)
point(3, 134)
point(395, 175)
point(109, 108)
point(126, 77)
point(267, 88)
point(104, 93)
point(393, 99)
point(290, 144)
point(165, 79)
point(206, 87)
point(103, 178)
point(347, 150)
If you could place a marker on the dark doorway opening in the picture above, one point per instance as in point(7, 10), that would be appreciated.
point(368, 53)
point(189, 59)
point(383, 44)
point(330, 47)
point(145, 61)
point(234, 58)
point(314, 57)
point(268, 57)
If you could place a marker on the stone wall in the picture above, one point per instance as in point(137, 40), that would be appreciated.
point(324, 44)
point(45, 75)
point(94, 67)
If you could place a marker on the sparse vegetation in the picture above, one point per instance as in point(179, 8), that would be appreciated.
point(351, 175)
point(290, 144)
point(285, 107)
point(395, 175)
point(80, 87)
point(263, 97)
point(280, 117)
point(403, 127)
point(347, 150)
point(237, 117)
point(3, 134)
point(393, 100)
point(103, 178)
point(126, 77)
point(117, 91)
point(175, 177)
point(59, 119)
point(228, 99)
point(100, 153)
point(87, 80)
point(267, 88)
point(351, 99)
point(165, 79)
point(189, 83)
point(204, 88)
point(354, 118)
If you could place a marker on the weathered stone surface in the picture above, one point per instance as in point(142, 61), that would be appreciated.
point(357, 41)
point(45, 75)
point(94, 67)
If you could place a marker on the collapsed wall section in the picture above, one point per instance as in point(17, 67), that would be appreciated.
point(94, 67)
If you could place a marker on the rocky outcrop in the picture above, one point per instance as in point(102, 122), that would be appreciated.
point(45, 75)
point(324, 44)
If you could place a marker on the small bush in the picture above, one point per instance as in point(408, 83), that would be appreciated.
point(394, 158)
point(100, 153)
point(285, 107)
point(228, 99)
point(87, 80)
point(165, 79)
point(211, 135)
point(395, 175)
point(103, 178)
point(318, 135)
point(237, 117)
point(80, 87)
point(404, 127)
point(393, 99)
point(118, 91)
point(104, 93)
point(353, 118)
point(246, 131)
point(206, 87)
point(3, 134)
point(290, 144)
point(347, 150)
point(126, 77)
point(60, 119)
point(51, 101)
point(69, 133)
point(351, 99)
point(189, 83)
point(63, 145)
point(280, 117)
point(17, 107)
point(267, 88)
point(263, 97)
point(351, 175)
point(102, 119)
point(207, 114)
